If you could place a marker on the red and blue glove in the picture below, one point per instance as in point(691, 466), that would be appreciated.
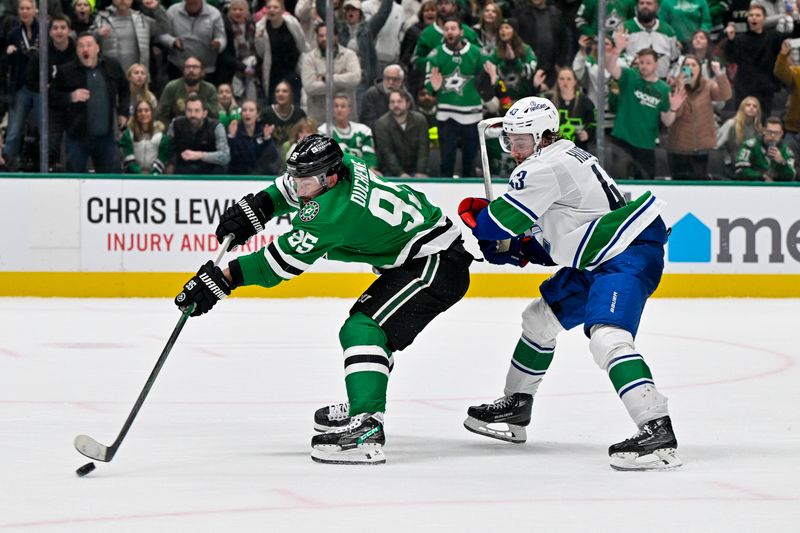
point(470, 208)
point(474, 213)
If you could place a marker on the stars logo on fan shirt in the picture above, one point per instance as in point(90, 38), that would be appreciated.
point(309, 211)
point(455, 82)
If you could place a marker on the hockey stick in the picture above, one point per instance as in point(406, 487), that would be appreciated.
point(93, 449)
point(483, 127)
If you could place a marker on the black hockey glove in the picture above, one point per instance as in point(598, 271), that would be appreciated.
point(204, 290)
point(245, 218)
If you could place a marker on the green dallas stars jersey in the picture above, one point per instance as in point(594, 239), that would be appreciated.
point(432, 36)
point(752, 162)
point(458, 98)
point(360, 220)
point(356, 140)
point(517, 74)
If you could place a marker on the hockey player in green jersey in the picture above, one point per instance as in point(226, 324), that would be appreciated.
point(561, 208)
point(346, 213)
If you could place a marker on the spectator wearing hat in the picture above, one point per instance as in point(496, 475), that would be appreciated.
point(82, 16)
point(647, 31)
point(401, 138)
point(313, 71)
point(376, 99)
point(365, 34)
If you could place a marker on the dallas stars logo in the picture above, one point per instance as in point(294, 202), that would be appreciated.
point(455, 82)
point(309, 211)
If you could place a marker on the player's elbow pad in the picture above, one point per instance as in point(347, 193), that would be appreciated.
point(487, 229)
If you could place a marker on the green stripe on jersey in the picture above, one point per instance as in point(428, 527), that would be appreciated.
point(628, 371)
point(532, 359)
point(510, 217)
point(607, 227)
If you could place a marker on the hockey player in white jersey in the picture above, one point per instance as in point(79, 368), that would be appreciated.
point(561, 208)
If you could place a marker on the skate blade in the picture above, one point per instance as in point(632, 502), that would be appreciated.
point(663, 459)
point(364, 455)
point(499, 431)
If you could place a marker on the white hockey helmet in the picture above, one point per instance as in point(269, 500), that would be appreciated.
point(532, 115)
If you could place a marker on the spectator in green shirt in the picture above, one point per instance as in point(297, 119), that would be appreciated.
point(644, 101)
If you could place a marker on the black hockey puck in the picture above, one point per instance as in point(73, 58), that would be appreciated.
point(85, 469)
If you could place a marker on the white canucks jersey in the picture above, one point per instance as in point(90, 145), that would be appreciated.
point(562, 197)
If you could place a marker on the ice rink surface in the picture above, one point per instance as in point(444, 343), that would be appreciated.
point(223, 441)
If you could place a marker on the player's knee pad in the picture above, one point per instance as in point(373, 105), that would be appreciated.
point(608, 342)
point(540, 324)
point(361, 330)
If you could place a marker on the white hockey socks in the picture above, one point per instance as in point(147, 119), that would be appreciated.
point(614, 352)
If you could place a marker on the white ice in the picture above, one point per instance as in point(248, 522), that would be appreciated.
point(223, 441)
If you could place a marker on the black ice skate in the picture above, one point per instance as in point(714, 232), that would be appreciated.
point(504, 419)
point(331, 417)
point(357, 443)
point(652, 448)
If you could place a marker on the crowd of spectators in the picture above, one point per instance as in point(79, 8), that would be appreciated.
point(694, 89)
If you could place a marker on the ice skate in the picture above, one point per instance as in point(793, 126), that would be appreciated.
point(357, 443)
point(504, 419)
point(332, 417)
point(652, 448)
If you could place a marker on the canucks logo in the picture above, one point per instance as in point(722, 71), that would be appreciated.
point(309, 211)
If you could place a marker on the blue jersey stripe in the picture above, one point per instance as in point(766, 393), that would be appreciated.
point(537, 346)
point(522, 207)
point(579, 251)
point(527, 371)
point(634, 385)
point(621, 357)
